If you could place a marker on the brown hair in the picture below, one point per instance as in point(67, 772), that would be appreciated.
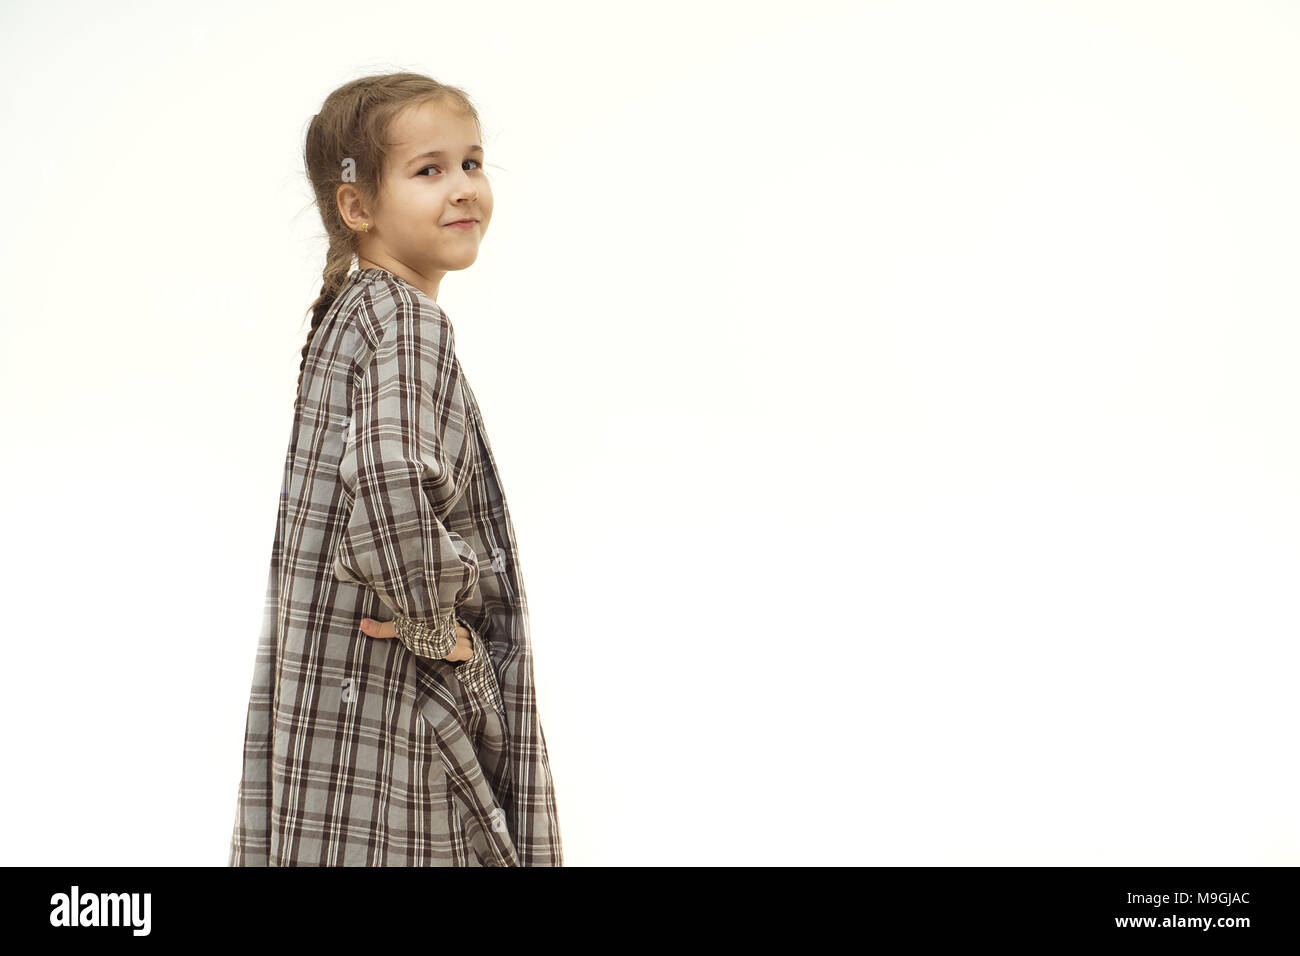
point(354, 123)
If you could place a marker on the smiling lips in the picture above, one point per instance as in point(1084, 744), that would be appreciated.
point(463, 223)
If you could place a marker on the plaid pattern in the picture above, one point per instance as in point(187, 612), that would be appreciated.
point(361, 751)
point(478, 674)
point(439, 639)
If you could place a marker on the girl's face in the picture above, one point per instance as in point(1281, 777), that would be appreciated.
point(423, 194)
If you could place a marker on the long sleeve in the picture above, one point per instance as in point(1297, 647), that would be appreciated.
point(406, 458)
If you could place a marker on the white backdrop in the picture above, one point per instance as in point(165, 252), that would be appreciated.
point(896, 404)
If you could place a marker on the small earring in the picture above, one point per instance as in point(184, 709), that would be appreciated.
point(365, 226)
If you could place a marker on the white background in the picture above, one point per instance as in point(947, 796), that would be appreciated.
point(896, 404)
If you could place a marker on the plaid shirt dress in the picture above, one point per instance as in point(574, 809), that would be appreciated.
point(362, 751)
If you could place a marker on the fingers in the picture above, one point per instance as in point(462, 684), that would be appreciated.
point(464, 649)
point(374, 628)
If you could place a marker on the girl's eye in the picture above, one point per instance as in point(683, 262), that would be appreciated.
point(427, 168)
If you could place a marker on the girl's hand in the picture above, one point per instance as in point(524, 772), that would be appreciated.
point(463, 650)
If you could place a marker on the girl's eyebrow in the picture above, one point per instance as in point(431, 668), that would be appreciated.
point(435, 153)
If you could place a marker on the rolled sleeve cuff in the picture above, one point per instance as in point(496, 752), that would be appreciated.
point(426, 638)
point(477, 673)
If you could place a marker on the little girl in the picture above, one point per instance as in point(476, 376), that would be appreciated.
point(392, 720)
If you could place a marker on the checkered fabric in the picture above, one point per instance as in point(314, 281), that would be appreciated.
point(362, 751)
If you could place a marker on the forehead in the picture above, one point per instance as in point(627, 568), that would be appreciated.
point(431, 126)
